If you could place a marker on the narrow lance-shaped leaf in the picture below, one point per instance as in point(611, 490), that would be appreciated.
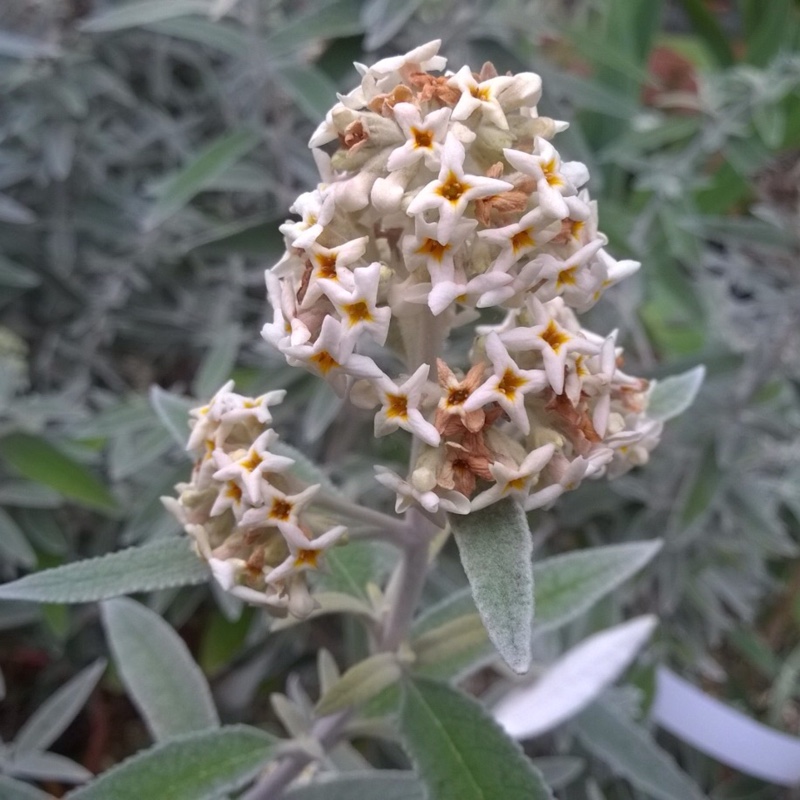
point(449, 639)
point(361, 683)
point(574, 681)
point(631, 752)
point(52, 718)
point(459, 751)
point(11, 789)
point(373, 785)
point(157, 565)
point(198, 766)
point(144, 12)
point(495, 547)
point(162, 678)
point(218, 362)
point(212, 161)
point(173, 411)
point(13, 543)
point(48, 767)
point(36, 459)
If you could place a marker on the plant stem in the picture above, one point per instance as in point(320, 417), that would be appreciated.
point(386, 527)
point(407, 582)
point(326, 731)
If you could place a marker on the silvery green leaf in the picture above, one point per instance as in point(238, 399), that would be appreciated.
point(210, 162)
point(631, 752)
point(14, 546)
point(293, 718)
point(569, 585)
point(11, 789)
point(143, 12)
point(131, 453)
point(218, 362)
point(163, 680)
point(372, 785)
point(350, 568)
point(672, 396)
point(48, 767)
point(28, 494)
point(327, 670)
point(15, 615)
point(360, 683)
point(14, 213)
point(329, 603)
point(156, 565)
point(44, 530)
point(384, 18)
point(308, 86)
point(559, 771)
point(574, 680)
point(303, 467)
point(320, 413)
point(197, 766)
point(16, 45)
point(15, 276)
point(446, 637)
point(459, 752)
point(495, 547)
point(53, 717)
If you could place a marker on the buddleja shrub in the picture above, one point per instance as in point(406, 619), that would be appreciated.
point(443, 203)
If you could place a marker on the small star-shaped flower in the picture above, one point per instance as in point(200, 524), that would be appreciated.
point(331, 264)
point(514, 482)
point(400, 407)
point(481, 96)
point(278, 507)
point(520, 238)
point(304, 553)
point(507, 386)
point(453, 190)
point(424, 136)
point(358, 307)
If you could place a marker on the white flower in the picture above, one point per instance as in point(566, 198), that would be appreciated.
point(229, 572)
point(331, 356)
point(423, 247)
point(278, 507)
point(481, 96)
point(304, 553)
point(358, 306)
point(577, 278)
point(554, 180)
point(424, 136)
point(249, 467)
point(514, 482)
point(399, 407)
point(453, 190)
point(569, 475)
point(520, 238)
point(331, 264)
point(552, 340)
point(445, 291)
point(507, 386)
point(286, 328)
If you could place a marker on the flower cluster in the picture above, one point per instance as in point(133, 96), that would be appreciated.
point(245, 511)
point(442, 195)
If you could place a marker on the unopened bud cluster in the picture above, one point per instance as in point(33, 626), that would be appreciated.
point(442, 195)
point(245, 510)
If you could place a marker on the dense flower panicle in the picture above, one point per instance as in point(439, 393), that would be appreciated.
point(245, 511)
point(442, 194)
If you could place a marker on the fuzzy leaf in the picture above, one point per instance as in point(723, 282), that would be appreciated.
point(158, 565)
point(36, 459)
point(48, 767)
point(672, 396)
point(144, 12)
point(574, 681)
point(495, 547)
point(631, 752)
point(14, 546)
point(450, 641)
point(53, 717)
point(360, 683)
point(162, 678)
point(198, 766)
point(173, 412)
point(208, 164)
point(17, 790)
point(218, 362)
point(569, 585)
point(459, 752)
point(373, 785)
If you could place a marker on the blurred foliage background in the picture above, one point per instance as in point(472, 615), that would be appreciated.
point(148, 152)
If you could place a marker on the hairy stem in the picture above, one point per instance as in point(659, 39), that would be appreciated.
point(385, 527)
point(326, 731)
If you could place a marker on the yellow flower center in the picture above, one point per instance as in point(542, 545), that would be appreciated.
point(307, 558)
point(509, 383)
point(358, 312)
point(324, 361)
point(431, 247)
point(251, 462)
point(521, 240)
point(281, 509)
point(398, 406)
point(554, 337)
point(422, 138)
point(452, 188)
point(327, 266)
point(566, 276)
